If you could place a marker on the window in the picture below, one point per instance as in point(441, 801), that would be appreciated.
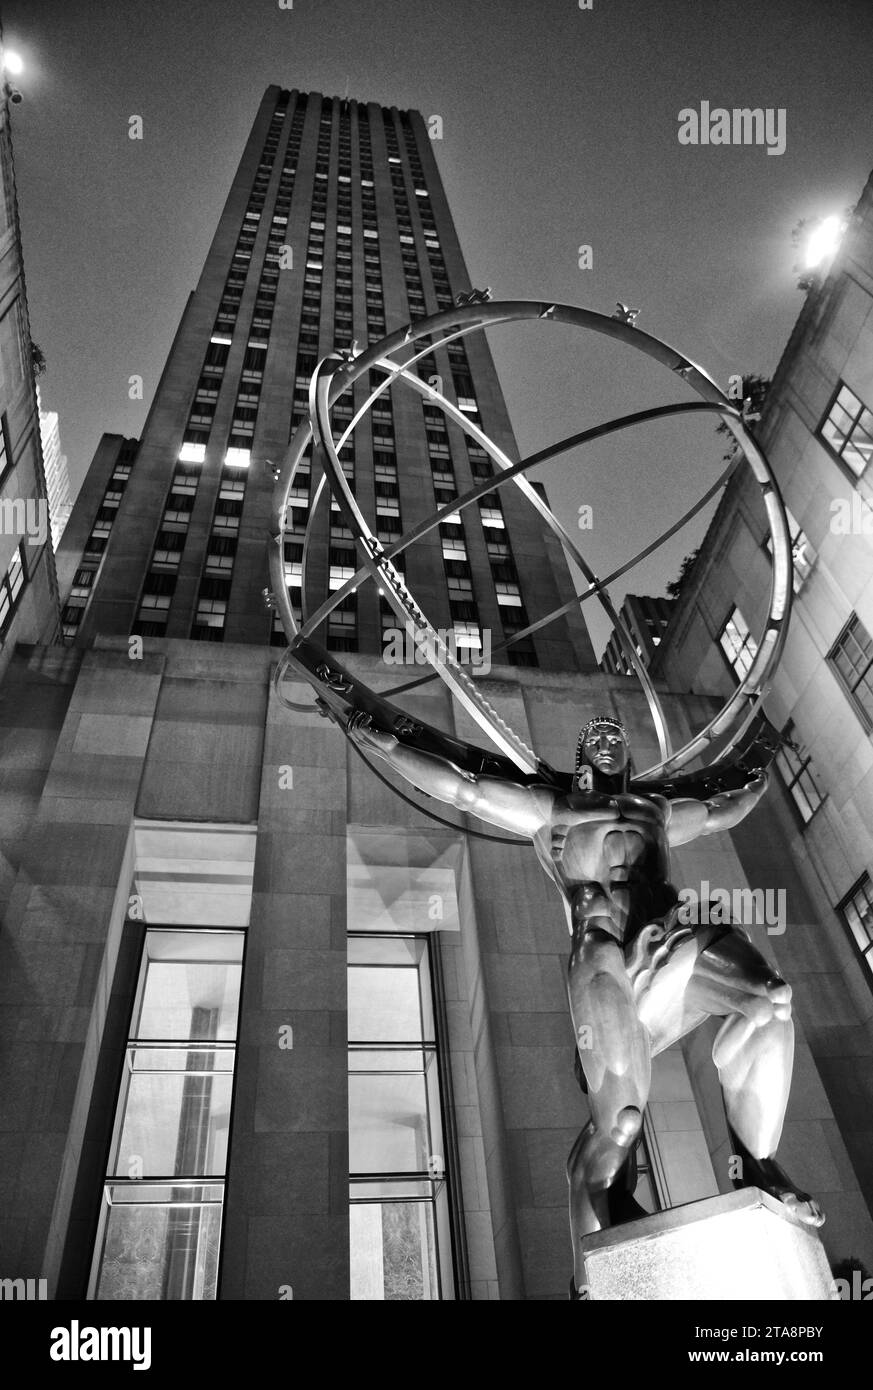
point(856, 912)
point(738, 644)
point(399, 1208)
point(847, 429)
point(208, 625)
point(161, 1214)
point(10, 587)
point(5, 451)
point(794, 764)
point(852, 658)
point(802, 553)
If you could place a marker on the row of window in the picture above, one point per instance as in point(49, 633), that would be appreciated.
point(95, 546)
point(159, 1232)
point(850, 658)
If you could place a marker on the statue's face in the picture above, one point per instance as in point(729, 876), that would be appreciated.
point(606, 749)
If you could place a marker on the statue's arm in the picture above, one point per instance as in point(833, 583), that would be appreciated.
point(690, 819)
point(505, 804)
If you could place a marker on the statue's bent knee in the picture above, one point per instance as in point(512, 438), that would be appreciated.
point(627, 1126)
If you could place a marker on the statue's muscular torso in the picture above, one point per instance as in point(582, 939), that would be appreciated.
point(609, 857)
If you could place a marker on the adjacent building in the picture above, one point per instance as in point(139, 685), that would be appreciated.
point(645, 618)
point(817, 431)
point(28, 584)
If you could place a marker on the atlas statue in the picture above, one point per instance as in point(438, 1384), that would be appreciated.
point(639, 976)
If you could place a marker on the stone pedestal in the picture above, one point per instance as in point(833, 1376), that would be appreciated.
point(743, 1245)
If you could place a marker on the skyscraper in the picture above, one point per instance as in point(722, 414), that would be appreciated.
point(57, 477)
point(336, 229)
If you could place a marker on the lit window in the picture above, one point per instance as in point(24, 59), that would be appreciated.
point(223, 338)
point(467, 636)
point(802, 553)
point(399, 1212)
point(852, 658)
point(508, 593)
point(847, 429)
point(856, 911)
point(238, 458)
point(738, 645)
point(192, 453)
point(159, 1239)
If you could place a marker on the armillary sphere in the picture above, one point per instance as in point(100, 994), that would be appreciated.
point(397, 356)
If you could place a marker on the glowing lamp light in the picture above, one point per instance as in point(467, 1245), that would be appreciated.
point(823, 241)
point(13, 63)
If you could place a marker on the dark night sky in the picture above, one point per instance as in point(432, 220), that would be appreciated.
point(560, 129)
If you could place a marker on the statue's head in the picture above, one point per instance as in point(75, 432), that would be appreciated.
point(602, 755)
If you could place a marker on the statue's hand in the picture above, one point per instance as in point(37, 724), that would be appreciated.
point(360, 728)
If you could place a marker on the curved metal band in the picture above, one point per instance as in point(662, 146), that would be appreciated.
point(479, 316)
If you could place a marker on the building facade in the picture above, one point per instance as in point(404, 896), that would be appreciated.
point(270, 1031)
point(646, 619)
point(57, 476)
point(817, 431)
point(336, 229)
point(28, 583)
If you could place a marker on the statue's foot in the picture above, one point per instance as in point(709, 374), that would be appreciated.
point(766, 1174)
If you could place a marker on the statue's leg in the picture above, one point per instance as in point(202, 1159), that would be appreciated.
point(754, 1053)
point(614, 1052)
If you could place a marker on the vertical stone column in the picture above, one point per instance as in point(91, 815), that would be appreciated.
point(60, 941)
point(286, 1218)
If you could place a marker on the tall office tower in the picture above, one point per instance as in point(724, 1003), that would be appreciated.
point(28, 583)
point(336, 229)
point(57, 476)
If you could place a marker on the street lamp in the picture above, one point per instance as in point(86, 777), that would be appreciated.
point(824, 240)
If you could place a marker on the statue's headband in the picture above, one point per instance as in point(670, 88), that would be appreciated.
point(598, 722)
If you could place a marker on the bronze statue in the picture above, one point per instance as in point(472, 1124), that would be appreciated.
point(639, 977)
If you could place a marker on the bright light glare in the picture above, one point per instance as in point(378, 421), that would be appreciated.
point(823, 241)
point(13, 63)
